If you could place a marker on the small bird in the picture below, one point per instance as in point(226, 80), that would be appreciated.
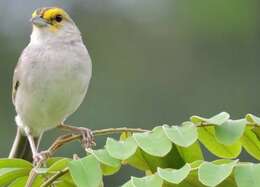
point(50, 81)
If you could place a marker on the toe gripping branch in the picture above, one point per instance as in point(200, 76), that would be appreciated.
point(87, 138)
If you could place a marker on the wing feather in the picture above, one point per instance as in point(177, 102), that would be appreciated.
point(16, 81)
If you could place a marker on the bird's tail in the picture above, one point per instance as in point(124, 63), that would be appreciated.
point(21, 147)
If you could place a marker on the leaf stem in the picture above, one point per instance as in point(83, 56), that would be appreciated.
point(54, 177)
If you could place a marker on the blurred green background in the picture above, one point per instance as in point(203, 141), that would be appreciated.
point(154, 62)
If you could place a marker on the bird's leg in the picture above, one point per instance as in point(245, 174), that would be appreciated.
point(37, 157)
point(32, 144)
point(87, 135)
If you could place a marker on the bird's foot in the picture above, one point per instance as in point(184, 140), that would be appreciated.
point(88, 140)
point(41, 157)
point(87, 135)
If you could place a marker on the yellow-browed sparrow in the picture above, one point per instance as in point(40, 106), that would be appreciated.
point(50, 80)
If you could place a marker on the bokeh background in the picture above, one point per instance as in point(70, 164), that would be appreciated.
point(154, 62)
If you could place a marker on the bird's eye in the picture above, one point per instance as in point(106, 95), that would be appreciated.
point(58, 18)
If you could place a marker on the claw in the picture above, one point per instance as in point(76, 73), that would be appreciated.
point(87, 136)
point(88, 140)
point(40, 157)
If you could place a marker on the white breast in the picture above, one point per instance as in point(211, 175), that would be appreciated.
point(53, 83)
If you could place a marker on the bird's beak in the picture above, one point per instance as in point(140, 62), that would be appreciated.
point(39, 21)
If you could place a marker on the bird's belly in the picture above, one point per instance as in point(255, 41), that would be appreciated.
point(48, 100)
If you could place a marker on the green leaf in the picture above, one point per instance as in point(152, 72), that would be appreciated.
point(128, 184)
point(103, 157)
point(228, 182)
point(218, 119)
point(52, 160)
point(121, 150)
point(190, 181)
point(247, 175)
point(148, 181)
point(172, 160)
point(211, 174)
point(174, 176)
point(253, 119)
point(223, 161)
point(138, 161)
point(59, 165)
point(230, 131)
point(14, 163)
point(144, 161)
point(197, 119)
point(125, 135)
point(67, 179)
point(251, 143)
point(109, 165)
point(86, 172)
point(184, 135)
point(196, 164)
point(208, 139)
point(62, 183)
point(7, 175)
point(154, 143)
point(191, 153)
point(256, 131)
point(21, 181)
point(108, 170)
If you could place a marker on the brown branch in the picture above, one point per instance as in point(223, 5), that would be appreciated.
point(108, 131)
point(60, 141)
point(33, 174)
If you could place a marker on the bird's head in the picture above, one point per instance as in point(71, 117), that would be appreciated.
point(52, 21)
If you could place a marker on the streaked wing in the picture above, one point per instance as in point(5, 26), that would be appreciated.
point(16, 81)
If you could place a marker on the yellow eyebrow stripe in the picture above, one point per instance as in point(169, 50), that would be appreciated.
point(49, 13)
point(52, 12)
point(40, 11)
